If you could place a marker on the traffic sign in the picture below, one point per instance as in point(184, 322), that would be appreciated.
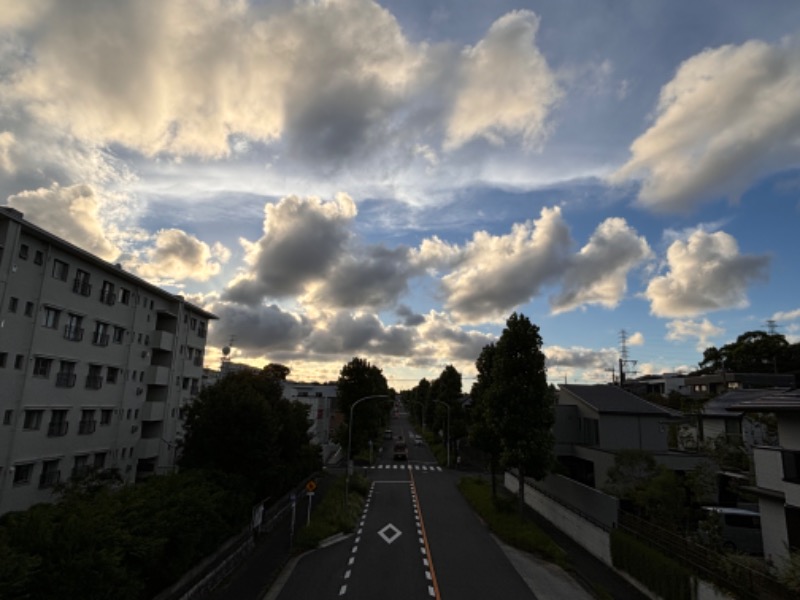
point(311, 486)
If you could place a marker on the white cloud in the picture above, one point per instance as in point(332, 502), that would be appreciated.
point(176, 255)
point(7, 142)
point(72, 213)
point(637, 339)
point(580, 358)
point(598, 273)
point(729, 116)
point(703, 331)
point(706, 273)
point(506, 88)
point(788, 315)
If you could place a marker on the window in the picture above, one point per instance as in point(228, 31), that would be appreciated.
point(58, 423)
point(12, 304)
point(99, 460)
point(193, 324)
point(81, 285)
point(87, 423)
point(38, 258)
point(81, 465)
point(791, 465)
point(141, 376)
point(201, 329)
point(19, 361)
point(105, 416)
point(66, 374)
point(41, 366)
point(100, 336)
point(33, 419)
point(23, 474)
point(111, 374)
point(50, 318)
point(119, 335)
point(8, 416)
point(60, 270)
point(124, 296)
point(3, 359)
point(23, 251)
point(128, 417)
point(50, 474)
point(124, 452)
point(73, 330)
point(94, 380)
point(29, 309)
point(107, 293)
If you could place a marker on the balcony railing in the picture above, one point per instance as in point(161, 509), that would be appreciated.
point(57, 428)
point(86, 427)
point(201, 333)
point(65, 380)
point(73, 333)
point(79, 286)
point(49, 479)
point(100, 339)
point(94, 382)
point(108, 297)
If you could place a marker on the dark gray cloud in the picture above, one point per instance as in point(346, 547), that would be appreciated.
point(256, 329)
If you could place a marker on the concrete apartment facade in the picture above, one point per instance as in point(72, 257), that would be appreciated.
point(95, 366)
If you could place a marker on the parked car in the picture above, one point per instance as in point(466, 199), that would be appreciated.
point(400, 451)
point(740, 529)
point(388, 434)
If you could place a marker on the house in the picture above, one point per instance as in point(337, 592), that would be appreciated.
point(321, 402)
point(95, 366)
point(705, 386)
point(594, 422)
point(777, 474)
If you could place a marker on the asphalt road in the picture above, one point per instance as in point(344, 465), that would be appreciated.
point(417, 538)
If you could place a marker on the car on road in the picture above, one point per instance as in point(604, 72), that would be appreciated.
point(388, 434)
point(418, 440)
point(400, 451)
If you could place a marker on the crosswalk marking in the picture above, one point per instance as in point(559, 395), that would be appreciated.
point(395, 466)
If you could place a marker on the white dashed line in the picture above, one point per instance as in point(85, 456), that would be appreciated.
point(343, 590)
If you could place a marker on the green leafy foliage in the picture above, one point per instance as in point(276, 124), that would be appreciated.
point(359, 379)
point(753, 352)
point(662, 575)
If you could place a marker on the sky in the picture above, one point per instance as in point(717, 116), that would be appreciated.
point(392, 180)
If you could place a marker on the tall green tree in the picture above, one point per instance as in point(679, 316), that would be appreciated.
point(359, 379)
point(522, 402)
point(753, 352)
point(484, 432)
point(243, 426)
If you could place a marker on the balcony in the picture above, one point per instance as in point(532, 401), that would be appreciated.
point(57, 428)
point(87, 427)
point(65, 380)
point(148, 447)
point(157, 375)
point(94, 382)
point(49, 478)
point(107, 296)
point(81, 287)
point(100, 339)
point(73, 333)
point(153, 411)
point(162, 340)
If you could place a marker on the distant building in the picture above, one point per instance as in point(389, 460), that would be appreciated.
point(95, 366)
point(704, 386)
point(321, 400)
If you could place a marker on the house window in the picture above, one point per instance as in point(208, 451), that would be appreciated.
point(41, 366)
point(119, 334)
point(105, 416)
point(60, 270)
point(38, 258)
point(23, 251)
point(7, 416)
point(80, 466)
point(33, 419)
point(23, 474)
point(111, 374)
point(19, 361)
point(66, 374)
point(81, 285)
point(201, 329)
point(100, 460)
point(124, 296)
point(73, 330)
point(791, 465)
point(87, 423)
point(50, 474)
point(100, 335)
point(3, 359)
point(29, 309)
point(12, 304)
point(193, 324)
point(58, 423)
point(94, 380)
point(50, 318)
point(107, 293)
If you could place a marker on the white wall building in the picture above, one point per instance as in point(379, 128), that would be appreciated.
point(95, 365)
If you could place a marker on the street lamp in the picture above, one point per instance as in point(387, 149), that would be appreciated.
point(350, 441)
point(447, 406)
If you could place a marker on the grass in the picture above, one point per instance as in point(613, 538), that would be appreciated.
point(501, 516)
point(331, 516)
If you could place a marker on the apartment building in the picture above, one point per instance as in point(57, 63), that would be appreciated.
point(95, 366)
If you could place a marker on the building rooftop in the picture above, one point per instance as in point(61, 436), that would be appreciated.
point(611, 399)
point(788, 401)
point(720, 406)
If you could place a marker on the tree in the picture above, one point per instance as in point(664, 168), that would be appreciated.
point(753, 352)
point(359, 379)
point(484, 432)
point(521, 401)
point(277, 371)
point(243, 426)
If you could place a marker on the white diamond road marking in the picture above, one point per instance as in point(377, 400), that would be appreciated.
point(390, 533)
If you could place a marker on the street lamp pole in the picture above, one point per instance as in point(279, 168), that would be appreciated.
point(447, 406)
point(350, 441)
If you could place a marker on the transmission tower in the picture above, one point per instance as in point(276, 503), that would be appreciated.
point(624, 361)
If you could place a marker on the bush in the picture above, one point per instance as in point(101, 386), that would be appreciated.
point(662, 575)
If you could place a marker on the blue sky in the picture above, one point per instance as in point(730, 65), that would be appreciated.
point(391, 180)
